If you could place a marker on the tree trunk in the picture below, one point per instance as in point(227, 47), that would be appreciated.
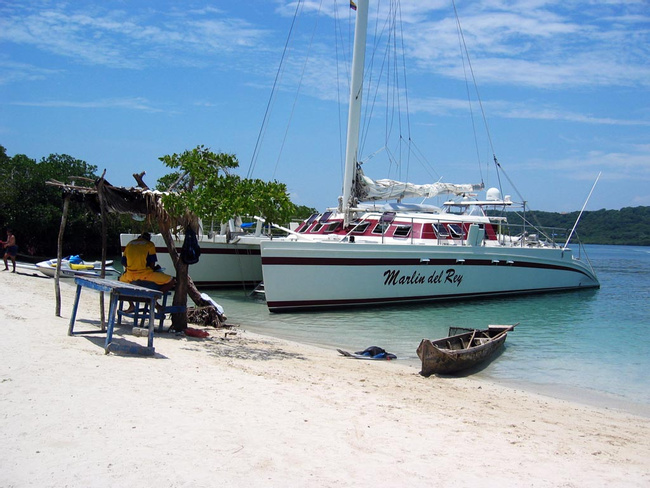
point(184, 284)
point(102, 205)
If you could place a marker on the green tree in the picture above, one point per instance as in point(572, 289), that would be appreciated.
point(303, 212)
point(204, 187)
point(207, 188)
point(33, 209)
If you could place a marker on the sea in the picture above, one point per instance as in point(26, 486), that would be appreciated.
point(589, 346)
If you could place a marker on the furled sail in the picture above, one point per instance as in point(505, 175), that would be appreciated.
point(385, 189)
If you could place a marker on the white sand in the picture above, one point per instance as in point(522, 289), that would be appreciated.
point(256, 411)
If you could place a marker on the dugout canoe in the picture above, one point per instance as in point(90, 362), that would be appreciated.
point(462, 349)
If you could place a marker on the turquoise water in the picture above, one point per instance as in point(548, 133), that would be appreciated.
point(587, 345)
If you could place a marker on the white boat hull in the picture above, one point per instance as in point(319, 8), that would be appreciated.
point(221, 264)
point(308, 275)
point(48, 268)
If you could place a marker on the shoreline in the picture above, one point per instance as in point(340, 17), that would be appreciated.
point(256, 410)
point(575, 394)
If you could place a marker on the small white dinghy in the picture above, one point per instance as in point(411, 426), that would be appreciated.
point(72, 266)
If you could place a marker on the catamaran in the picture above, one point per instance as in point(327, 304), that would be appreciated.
point(365, 253)
point(229, 257)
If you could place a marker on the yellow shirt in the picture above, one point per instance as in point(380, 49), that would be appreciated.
point(136, 254)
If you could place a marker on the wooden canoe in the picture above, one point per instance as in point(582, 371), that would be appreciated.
point(463, 349)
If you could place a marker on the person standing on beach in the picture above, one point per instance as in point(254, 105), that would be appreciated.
point(139, 261)
point(10, 250)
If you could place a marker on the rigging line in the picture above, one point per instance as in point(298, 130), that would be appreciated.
point(337, 34)
point(369, 107)
point(537, 223)
point(258, 142)
point(501, 170)
point(398, 97)
point(295, 98)
point(469, 97)
point(392, 92)
point(422, 159)
point(406, 98)
point(471, 69)
point(367, 73)
point(386, 65)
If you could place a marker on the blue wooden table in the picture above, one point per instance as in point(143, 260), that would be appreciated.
point(117, 290)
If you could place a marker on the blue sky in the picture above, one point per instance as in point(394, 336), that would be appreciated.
point(564, 86)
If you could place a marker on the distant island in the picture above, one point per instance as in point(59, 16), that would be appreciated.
point(628, 226)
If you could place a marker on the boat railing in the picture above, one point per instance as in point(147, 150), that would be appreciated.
point(582, 253)
point(507, 234)
point(527, 236)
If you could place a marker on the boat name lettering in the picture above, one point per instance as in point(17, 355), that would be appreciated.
point(393, 277)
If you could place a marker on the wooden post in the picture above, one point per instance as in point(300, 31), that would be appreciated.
point(59, 255)
point(102, 206)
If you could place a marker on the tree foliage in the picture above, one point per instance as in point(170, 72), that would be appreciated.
point(206, 187)
point(628, 226)
point(32, 209)
point(302, 212)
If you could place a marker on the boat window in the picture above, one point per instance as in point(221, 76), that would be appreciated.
point(402, 231)
point(455, 230)
point(360, 227)
point(305, 225)
point(476, 211)
point(455, 209)
point(324, 217)
point(387, 217)
point(331, 227)
point(441, 230)
point(317, 227)
point(381, 228)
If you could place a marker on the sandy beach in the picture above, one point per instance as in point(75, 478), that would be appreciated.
point(248, 410)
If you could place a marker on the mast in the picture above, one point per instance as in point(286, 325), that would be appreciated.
point(354, 109)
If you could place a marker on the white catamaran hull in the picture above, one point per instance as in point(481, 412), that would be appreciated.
point(222, 263)
point(308, 275)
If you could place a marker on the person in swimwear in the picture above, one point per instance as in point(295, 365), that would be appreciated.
point(10, 250)
point(139, 261)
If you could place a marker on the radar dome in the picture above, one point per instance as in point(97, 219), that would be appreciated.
point(493, 194)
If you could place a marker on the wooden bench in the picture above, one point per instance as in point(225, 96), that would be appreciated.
point(119, 291)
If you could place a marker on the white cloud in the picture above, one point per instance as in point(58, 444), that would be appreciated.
point(631, 163)
point(16, 72)
point(540, 43)
point(136, 103)
point(113, 38)
point(510, 110)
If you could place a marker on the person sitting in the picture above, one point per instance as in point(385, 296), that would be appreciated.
point(139, 261)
